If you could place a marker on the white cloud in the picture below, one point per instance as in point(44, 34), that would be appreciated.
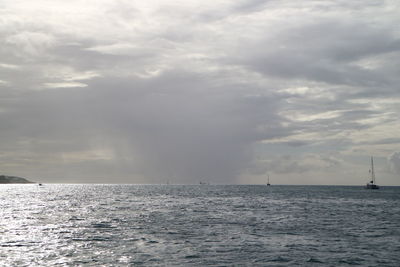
point(31, 43)
point(118, 49)
point(64, 85)
point(298, 116)
point(68, 74)
point(4, 83)
point(9, 66)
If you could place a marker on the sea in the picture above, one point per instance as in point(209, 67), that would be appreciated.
point(198, 225)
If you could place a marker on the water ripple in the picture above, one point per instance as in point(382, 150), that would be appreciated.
point(166, 225)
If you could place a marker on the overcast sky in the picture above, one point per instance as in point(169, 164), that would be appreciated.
point(121, 91)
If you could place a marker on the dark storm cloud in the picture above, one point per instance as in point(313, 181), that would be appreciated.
point(154, 125)
point(324, 51)
point(172, 135)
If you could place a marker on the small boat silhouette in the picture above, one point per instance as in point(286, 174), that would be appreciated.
point(372, 184)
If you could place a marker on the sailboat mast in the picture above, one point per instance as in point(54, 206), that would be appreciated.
point(372, 170)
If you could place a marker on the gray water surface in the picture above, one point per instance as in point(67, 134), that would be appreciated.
point(198, 225)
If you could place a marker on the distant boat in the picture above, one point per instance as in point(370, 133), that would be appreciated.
point(372, 184)
point(268, 184)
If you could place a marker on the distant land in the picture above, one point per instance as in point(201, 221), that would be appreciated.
point(4, 179)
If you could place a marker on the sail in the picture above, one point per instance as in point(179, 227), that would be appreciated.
point(372, 171)
point(371, 184)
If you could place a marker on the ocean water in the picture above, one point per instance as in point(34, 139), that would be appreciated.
point(198, 225)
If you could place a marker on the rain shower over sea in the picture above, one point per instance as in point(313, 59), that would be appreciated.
point(198, 225)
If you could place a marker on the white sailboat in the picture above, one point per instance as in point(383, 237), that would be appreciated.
point(372, 184)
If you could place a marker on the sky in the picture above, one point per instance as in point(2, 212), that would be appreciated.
point(225, 92)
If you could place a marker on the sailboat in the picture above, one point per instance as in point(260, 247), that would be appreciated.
point(371, 184)
point(268, 184)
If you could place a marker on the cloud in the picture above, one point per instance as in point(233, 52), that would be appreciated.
point(4, 83)
point(394, 161)
point(170, 135)
point(31, 43)
point(307, 163)
point(9, 66)
point(118, 49)
point(196, 90)
point(64, 85)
